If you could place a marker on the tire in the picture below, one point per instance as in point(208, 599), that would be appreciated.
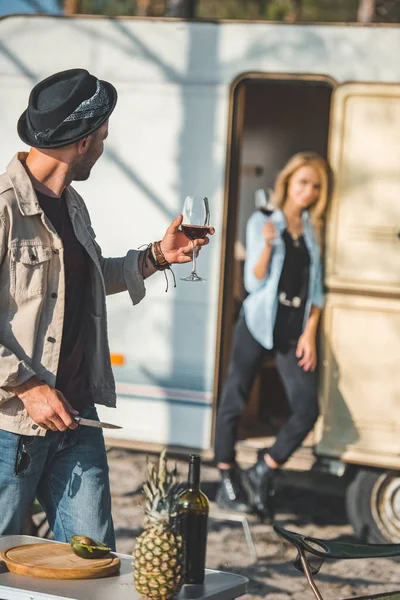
point(373, 506)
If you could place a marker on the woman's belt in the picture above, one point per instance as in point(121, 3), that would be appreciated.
point(295, 302)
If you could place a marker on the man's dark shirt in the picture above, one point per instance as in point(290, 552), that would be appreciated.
point(72, 379)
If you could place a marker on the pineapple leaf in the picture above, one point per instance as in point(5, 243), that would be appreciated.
point(162, 469)
point(161, 489)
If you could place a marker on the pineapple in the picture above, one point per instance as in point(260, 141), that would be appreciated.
point(159, 552)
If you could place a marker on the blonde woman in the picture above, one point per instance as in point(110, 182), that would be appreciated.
point(279, 318)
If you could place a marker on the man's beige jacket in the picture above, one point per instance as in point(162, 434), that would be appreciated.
point(32, 293)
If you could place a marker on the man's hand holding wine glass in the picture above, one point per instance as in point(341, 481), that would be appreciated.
point(177, 247)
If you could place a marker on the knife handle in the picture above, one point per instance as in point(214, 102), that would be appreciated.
point(76, 419)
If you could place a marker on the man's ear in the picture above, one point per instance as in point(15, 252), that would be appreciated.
point(83, 145)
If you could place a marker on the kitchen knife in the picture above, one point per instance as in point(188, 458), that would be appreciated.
point(92, 423)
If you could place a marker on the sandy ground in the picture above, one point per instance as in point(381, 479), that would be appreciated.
point(273, 575)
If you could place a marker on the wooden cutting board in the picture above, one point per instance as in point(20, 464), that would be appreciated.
point(56, 561)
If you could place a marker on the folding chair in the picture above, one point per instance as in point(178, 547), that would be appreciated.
point(312, 552)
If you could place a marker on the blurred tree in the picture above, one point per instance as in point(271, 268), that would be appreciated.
point(70, 7)
point(366, 11)
point(280, 10)
point(381, 11)
point(262, 7)
point(388, 11)
point(295, 11)
point(185, 9)
point(143, 8)
point(111, 8)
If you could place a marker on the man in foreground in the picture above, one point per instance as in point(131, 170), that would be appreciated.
point(54, 354)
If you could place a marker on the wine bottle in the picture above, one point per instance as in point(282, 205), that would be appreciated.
point(192, 522)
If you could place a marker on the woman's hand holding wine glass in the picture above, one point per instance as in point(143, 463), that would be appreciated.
point(263, 202)
point(269, 233)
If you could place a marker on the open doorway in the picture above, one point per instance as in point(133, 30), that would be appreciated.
point(272, 117)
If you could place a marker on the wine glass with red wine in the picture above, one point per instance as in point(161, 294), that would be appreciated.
point(263, 202)
point(195, 225)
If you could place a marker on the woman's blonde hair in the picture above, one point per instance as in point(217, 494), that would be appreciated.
point(303, 159)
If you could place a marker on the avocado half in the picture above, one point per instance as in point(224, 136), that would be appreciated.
point(85, 547)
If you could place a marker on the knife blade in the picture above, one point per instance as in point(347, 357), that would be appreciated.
point(92, 423)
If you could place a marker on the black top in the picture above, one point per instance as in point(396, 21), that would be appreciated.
point(293, 283)
point(72, 378)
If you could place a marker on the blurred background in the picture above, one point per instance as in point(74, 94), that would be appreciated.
point(364, 11)
point(219, 109)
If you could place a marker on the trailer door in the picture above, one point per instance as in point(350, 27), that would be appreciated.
point(360, 389)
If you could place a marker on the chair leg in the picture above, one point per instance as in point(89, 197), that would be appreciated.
point(249, 539)
point(223, 515)
point(309, 576)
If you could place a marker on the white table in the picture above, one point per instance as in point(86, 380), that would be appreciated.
point(217, 585)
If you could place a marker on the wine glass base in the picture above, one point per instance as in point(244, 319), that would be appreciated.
point(192, 277)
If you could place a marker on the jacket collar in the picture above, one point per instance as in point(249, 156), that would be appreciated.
point(279, 218)
point(24, 190)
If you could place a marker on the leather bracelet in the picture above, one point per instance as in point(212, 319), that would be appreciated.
point(157, 257)
point(150, 255)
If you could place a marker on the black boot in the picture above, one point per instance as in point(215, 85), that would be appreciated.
point(260, 480)
point(231, 493)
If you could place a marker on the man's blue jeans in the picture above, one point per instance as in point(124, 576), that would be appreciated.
point(68, 474)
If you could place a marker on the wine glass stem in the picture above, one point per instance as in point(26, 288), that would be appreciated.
point(194, 258)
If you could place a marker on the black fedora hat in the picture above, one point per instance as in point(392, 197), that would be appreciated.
point(65, 108)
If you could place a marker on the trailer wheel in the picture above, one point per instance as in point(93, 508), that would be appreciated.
point(373, 506)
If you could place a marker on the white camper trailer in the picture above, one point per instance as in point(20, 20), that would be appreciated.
point(216, 109)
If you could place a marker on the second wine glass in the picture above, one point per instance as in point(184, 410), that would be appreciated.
point(195, 225)
point(263, 202)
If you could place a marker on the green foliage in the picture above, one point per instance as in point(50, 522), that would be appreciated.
point(228, 9)
point(279, 10)
point(274, 10)
point(111, 8)
point(330, 10)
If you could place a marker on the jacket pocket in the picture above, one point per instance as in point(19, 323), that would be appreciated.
point(29, 269)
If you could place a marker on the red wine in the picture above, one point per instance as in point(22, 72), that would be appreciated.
point(195, 232)
point(192, 523)
point(266, 211)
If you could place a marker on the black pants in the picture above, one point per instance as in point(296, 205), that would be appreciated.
point(300, 387)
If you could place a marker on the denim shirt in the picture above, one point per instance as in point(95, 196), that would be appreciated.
point(261, 306)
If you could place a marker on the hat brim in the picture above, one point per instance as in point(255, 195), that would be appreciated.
point(30, 140)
